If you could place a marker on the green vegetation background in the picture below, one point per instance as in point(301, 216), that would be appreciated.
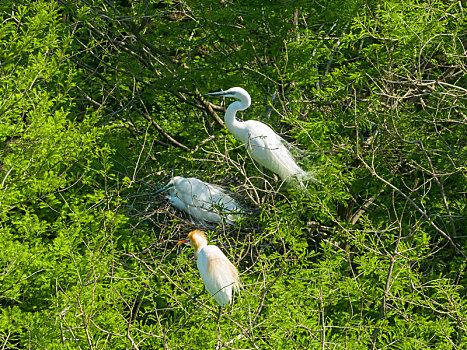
point(101, 103)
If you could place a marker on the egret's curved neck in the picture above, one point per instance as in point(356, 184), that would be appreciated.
point(235, 126)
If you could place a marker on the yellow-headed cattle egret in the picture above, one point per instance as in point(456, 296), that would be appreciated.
point(262, 143)
point(219, 275)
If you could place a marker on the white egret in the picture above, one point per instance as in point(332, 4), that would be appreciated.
point(262, 143)
point(219, 275)
point(203, 202)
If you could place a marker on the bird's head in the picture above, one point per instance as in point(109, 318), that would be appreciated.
point(197, 239)
point(165, 188)
point(235, 92)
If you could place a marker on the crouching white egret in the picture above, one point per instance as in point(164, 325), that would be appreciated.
point(203, 202)
point(219, 275)
point(262, 143)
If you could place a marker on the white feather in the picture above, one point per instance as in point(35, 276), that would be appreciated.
point(220, 277)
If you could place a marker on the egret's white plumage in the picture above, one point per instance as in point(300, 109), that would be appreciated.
point(219, 275)
point(262, 143)
point(203, 202)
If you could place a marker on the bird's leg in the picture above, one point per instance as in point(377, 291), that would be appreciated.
point(194, 297)
point(261, 182)
point(219, 338)
point(219, 319)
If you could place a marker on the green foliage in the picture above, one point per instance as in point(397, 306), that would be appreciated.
point(101, 102)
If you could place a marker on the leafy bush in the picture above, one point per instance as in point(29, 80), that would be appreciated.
point(103, 101)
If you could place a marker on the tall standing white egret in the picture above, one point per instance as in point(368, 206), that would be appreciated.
point(262, 143)
point(203, 202)
point(219, 275)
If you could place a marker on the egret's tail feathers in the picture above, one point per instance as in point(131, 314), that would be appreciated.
point(302, 179)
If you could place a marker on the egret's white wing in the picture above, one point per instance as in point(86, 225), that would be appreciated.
point(267, 148)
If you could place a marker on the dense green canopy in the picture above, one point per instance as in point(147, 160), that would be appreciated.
point(102, 102)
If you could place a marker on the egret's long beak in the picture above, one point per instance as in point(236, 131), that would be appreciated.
point(183, 241)
point(219, 93)
point(165, 188)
